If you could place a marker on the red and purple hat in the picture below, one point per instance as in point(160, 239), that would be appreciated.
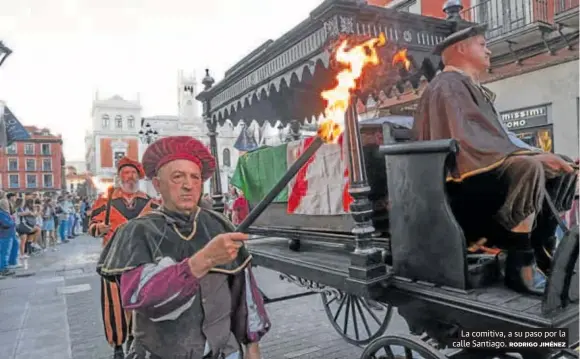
point(175, 148)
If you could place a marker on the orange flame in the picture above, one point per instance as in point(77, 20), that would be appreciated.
point(401, 58)
point(102, 186)
point(338, 98)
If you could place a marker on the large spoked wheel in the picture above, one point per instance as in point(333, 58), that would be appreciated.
point(562, 285)
point(359, 321)
point(564, 354)
point(399, 347)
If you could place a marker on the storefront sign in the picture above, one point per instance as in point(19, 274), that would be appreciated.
point(525, 118)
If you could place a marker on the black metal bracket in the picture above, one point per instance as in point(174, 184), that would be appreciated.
point(559, 29)
point(313, 288)
point(510, 43)
point(550, 50)
point(268, 300)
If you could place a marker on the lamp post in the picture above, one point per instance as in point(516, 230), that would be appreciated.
point(212, 122)
point(4, 52)
point(148, 135)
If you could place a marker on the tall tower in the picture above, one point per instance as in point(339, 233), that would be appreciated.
point(186, 92)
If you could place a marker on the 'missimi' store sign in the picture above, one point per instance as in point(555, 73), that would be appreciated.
point(525, 118)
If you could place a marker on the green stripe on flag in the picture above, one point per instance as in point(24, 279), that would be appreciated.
point(258, 171)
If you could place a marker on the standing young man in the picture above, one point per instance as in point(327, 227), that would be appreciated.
point(183, 272)
point(107, 214)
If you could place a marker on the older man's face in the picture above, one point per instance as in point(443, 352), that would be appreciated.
point(180, 185)
point(129, 179)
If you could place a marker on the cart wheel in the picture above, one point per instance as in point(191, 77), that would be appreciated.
point(543, 355)
point(358, 320)
point(400, 346)
point(568, 354)
point(562, 285)
point(563, 354)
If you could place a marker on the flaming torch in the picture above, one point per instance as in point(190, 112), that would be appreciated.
point(338, 99)
point(107, 192)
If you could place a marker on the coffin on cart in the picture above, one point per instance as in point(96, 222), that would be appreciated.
point(281, 81)
point(317, 198)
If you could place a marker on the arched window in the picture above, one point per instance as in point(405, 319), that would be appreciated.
point(131, 121)
point(105, 121)
point(118, 121)
point(227, 159)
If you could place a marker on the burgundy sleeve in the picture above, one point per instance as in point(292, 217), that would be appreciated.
point(161, 291)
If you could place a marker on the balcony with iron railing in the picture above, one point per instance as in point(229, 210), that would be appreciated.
point(566, 12)
point(513, 20)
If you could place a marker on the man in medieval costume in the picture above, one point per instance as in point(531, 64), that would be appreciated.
point(495, 175)
point(108, 213)
point(182, 269)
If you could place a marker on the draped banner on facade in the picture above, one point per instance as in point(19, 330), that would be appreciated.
point(10, 128)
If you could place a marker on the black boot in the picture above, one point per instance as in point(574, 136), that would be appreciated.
point(118, 352)
point(544, 252)
point(522, 273)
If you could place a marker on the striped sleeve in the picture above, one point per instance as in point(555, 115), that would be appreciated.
point(161, 291)
point(97, 216)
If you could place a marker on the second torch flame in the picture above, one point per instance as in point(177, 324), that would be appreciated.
point(102, 187)
point(338, 98)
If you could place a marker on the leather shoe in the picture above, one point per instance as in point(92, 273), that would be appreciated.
point(522, 273)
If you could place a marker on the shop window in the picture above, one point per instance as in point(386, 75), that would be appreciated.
point(540, 137)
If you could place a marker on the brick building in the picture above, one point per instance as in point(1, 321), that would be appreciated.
point(534, 66)
point(115, 126)
point(33, 165)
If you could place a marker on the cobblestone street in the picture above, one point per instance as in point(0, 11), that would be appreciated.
point(55, 313)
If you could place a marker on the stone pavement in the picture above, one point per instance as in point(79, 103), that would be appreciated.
point(55, 314)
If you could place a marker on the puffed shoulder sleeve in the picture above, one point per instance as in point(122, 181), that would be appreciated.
point(129, 248)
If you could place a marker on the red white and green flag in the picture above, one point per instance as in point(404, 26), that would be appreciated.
point(319, 188)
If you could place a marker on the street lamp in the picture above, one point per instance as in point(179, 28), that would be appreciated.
point(148, 135)
point(4, 52)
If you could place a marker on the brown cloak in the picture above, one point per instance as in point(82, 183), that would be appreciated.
point(453, 107)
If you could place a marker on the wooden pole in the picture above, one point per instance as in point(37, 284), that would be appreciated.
point(110, 191)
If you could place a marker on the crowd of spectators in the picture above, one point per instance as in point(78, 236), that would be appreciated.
point(32, 224)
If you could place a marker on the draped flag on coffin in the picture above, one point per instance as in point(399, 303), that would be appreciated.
point(258, 171)
point(321, 185)
point(319, 188)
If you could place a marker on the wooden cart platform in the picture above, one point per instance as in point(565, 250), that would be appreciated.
point(491, 307)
